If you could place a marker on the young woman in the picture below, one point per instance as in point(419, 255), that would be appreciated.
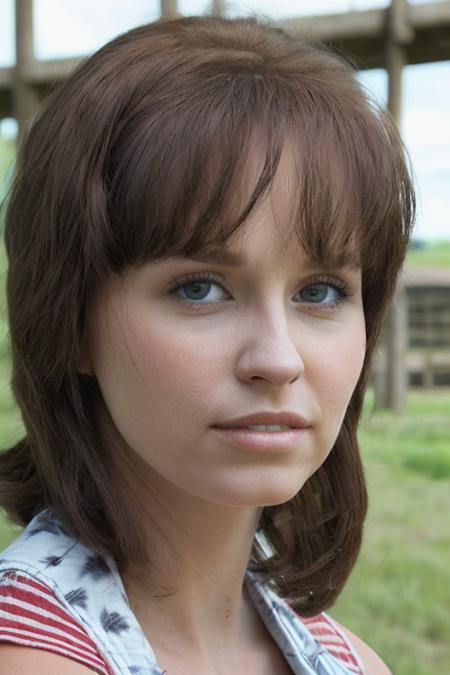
point(205, 230)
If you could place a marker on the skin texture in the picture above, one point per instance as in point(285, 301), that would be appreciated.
point(373, 665)
point(19, 660)
point(262, 336)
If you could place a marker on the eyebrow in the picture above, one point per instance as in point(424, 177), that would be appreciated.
point(219, 256)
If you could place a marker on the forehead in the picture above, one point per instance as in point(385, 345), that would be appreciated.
point(287, 218)
point(215, 191)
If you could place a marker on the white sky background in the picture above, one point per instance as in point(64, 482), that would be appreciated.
point(75, 27)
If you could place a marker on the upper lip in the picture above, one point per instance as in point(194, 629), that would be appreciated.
point(267, 417)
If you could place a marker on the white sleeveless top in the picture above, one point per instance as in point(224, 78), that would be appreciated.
point(89, 588)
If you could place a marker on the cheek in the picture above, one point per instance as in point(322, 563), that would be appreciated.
point(343, 367)
point(175, 363)
point(337, 370)
point(150, 374)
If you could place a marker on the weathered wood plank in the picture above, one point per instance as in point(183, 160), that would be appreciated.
point(361, 36)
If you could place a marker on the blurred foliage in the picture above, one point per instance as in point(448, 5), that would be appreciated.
point(431, 254)
point(7, 150)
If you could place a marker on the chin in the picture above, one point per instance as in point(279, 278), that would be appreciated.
point(259, 495)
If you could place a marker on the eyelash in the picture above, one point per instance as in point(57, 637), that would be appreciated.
point(339, 286)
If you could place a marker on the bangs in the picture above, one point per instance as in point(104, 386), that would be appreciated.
point(190, 166)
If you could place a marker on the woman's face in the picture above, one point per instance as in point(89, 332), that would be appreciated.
point(181, 346)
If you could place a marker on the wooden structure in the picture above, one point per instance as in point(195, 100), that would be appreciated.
point(428, 359)
point(377, 38)
point(423, 307)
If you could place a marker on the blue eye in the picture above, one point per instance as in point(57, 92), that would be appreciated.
point(196, 291)
point(322, 294)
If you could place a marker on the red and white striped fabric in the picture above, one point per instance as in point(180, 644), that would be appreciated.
point(329, 635)
point(31, 615)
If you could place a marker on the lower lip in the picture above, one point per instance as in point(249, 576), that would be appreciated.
point(263, 441)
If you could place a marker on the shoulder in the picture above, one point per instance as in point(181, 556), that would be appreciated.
point(38, 634)
point(371, 662)
point(17, 659)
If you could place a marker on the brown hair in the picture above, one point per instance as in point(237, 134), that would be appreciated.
point(137, 156)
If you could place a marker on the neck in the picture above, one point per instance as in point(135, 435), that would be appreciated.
point(194, 590)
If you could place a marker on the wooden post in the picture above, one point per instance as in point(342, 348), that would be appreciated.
point(398, 35)
point(25, 95)
point(218, 7)
point(168, 8)
point(397, 344)
point(391, 382)
point(379, 374)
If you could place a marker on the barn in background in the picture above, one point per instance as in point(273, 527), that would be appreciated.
point(428, 310)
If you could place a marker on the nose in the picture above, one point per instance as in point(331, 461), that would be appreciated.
point(270, 355)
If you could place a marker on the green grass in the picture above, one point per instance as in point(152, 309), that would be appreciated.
point(434, 254)
point(398, 596)
point(7, 150)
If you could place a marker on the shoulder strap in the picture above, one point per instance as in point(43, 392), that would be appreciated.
point(305, 654)
point(323, 628)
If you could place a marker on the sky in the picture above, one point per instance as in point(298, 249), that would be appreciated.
point(425, 122)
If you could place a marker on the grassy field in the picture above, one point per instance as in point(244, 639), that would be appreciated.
point(7, 149)
point(398, 597)
point(433, 254)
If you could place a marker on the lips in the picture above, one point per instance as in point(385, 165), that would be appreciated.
point(268, 417)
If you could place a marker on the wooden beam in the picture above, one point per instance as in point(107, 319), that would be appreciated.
point(392, 385)
point(429, 15)
point(52, 70)
point(398, 35)
point(6, 103)
point(218, 7)
point(396, 346)
point(332, 27)
point(26, 98)
point(6, 78)
point(168, 8)
point(24, 33)
point(359, 36)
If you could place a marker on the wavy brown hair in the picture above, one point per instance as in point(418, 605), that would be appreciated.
point(139, 154)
